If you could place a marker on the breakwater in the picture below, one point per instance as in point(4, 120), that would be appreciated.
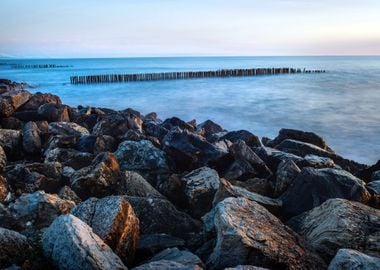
point(113, 78)
point(19, 66)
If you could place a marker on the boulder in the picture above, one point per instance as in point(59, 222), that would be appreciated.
point(248, 234)
point(71, 244)
point(256, 185)
point(96, 144)
point(176, 122)
point(39, 209)
point(242, 135)
point(246, 164)
point(39, 99)
point(312, 187)
point(10, 141)
point(114, 124)
point(374, 189)
point(347, 259)
point(67, 129)
point(302, 149)
point(11, 123)
point(199, 188)
point(339, 223)
point(133, 184)
point(189, 151)
point(100, 179)
point(3, 160)
point(299, 135)
point(3, 189)
point(142, 157)
point(66, 193)
point(14, 248)
point(150, 244)
point(53, 113)
point(69, 157)
point(316, 162)
point(375, 176)
point(287, 171)
point(165, 264)
point(160, 216)
point(227, 190)
point(114, 221)
point(367, 174)
point(208, 128)
point(11, 101)
point(183, 257)
point(273, 157)
point(245, 267)
point(31, 140)
point(152, 129)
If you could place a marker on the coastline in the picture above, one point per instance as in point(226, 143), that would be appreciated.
point(168, 184)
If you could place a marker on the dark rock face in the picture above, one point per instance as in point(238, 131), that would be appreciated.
point(176, 122)
point(11, 101)
point(14, 248)
point(151, 128)
point(208, 128)
point(39, 99)
point(66, 193)
point(31, 140)
point(133, 184)
point(352, 259)
point(3, 189)
point(314, 186)
point(68, 238)
point(160, 216)
point(69, 157)
point(67, 129)
point(99, 179)
point(3, 160)
point(96, 144)
point(189, 151)
point(114, 221)
point(242, 135)
point(10, 141)
point(53, 113)
point(150, 244)
point(287, 171)
point(339, 223)
point(116, 125)
point(257, 238)
point(366, 174)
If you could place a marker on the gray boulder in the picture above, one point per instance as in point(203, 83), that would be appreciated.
point(10, 141)
point(72, 245)
point(348, 259)
point(31, 140)
point(287, 171)
point(133, 184)
point(340, 223)
point(183, 257)
point(67, 129)
point(69, 157)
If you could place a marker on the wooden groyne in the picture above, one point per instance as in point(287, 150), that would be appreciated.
point(20, 66)
point(112, 78)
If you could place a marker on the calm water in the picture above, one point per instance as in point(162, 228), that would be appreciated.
point(342, 105)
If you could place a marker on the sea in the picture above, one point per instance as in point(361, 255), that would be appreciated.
point(342, 105)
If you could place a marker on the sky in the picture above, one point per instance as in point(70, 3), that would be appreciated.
point(133, 28)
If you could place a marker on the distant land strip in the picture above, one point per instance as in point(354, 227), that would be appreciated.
point(20, 66)
point(119, 78)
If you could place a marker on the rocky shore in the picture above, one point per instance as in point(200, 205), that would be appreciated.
point(94, 188)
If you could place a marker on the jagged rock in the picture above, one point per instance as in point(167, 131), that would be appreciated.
point(31, 140)
point(227, 190)
point(316, 162)
point(256, 185)
point(374, 189)
point(14, 248)
point(348, 259)
point(71, 244)
point(246, 267)
point(242, 135)
point(209, 128)
point(287, 171)
point(375, 176)
point(11, 101)
point(273, 157)
point(69, 157)
point(96, 144)
point(10, 141)
point(114, 124)
point(39, 209)
point(39, 99)
point(150, 244)
point(114, 221)
point(66, 193)
point(248, 234)
point(176, 122)
point(167, 265)
point(246, 163)
point(86, 120)
point(314, 186)
point(302, 149)
point(3, 189)
point(189, 151)
point(183, 257)
point(154, 130)
point(35, 176)
point(299, 135)
point(339, 223)
point(366, 174)
point(53, 113)
point(3, 160)
point(133, 184)
point(11, 123)
point(100, 179)
point(199, 188)
point(8, 221)
point(67, 129)
point(142, 157)
point(160, 216)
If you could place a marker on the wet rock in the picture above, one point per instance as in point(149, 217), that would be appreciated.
point(39, 209)
point(67, 240)
point(248, 234)
point(66, 193)
point(3, 189)
point(246, 164)
point(67, 129)
point(35, 176)
point(31, 140)
point(14, 248)
point(115, 125)
point(154, 130)
point(114, 221)
point(302, 149)
point(96, 144)
point(366, 174)
point(176, 122)
point(87, 121)
point(53, 113)
point(150, 244)
point(273, 157)
point(100, 179)
point(11, 101)
point(39, 99)
point(142, 157)
point(287, 171)
point(183, 257)
point(160, 216)
point(299, 135)
point(339, 223)
point(11, 123)
point(243, 135)
point(133, 184)
point(10, 141)
point(312, 187)
point(227, 190)
point(209, 128)
point(69, 157)
point(189, 151)
point(347, 259)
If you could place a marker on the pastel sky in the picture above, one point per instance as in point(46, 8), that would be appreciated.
point(113, 28)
